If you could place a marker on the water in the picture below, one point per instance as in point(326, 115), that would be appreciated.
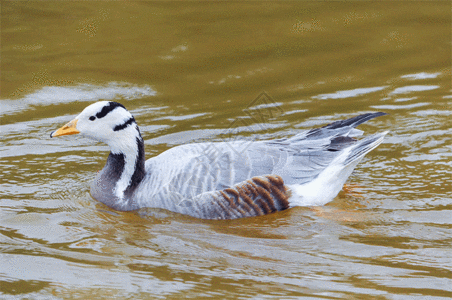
point(224, 71)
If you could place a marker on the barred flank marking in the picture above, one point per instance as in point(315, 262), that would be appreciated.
point(232, 191)
point(245, 204)
point(231, 202)
point(226, 210)
point(250, 201)
point(280, 191)
point(261, 182)
point(234, 205)
point(252, 187)
point(282, 198)
point(256, 196)
point(276, 180)
point(266, 196)
point(271, 203)
point(258, 211)
point(264, 206)
point(249, 190)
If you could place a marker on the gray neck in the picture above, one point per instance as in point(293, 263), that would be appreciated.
point(115, 184)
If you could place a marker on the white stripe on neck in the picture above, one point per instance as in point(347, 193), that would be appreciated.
point(126, 144)
point(125, 180)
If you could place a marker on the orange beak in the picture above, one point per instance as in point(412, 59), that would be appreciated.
point(69, 128)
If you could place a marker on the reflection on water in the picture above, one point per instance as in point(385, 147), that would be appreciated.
point(196, 72)
point(49, 95)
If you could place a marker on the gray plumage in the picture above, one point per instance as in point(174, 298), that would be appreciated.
point(226, 180)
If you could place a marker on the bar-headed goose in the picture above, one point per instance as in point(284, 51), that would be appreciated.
point(214, 180)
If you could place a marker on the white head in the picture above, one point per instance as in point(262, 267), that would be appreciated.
point(107, 122)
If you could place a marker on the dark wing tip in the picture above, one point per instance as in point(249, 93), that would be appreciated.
point(355, 121)
point(378, 114)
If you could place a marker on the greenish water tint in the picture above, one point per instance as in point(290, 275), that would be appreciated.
point(224, 71)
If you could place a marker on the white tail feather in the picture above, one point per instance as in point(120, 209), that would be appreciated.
point(329, 182)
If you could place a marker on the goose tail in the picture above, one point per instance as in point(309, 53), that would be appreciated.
point(329, 182)
point(364, 146)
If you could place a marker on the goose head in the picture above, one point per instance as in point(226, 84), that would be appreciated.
point(109, 122)
point(105, 121)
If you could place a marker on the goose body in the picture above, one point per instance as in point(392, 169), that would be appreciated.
point(221, 180)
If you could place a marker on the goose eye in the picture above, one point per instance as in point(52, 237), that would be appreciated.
point(92, 118)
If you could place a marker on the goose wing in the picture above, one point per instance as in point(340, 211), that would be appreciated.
point(199, 174)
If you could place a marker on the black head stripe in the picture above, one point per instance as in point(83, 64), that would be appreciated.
point(124, 125)
point(108, 108)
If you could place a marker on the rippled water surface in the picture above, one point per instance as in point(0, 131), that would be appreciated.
point(203, 71)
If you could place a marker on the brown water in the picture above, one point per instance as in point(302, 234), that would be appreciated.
point(195, 72)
